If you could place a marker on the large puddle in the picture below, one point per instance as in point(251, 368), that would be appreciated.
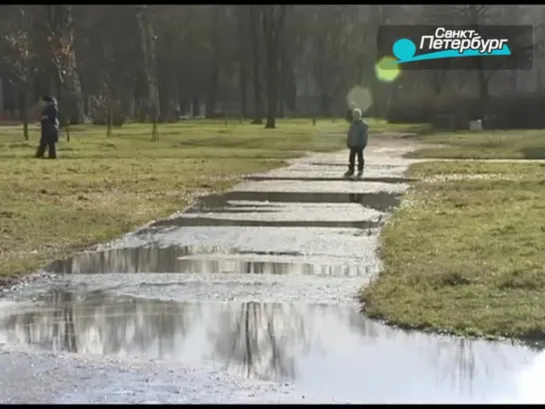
point(327, 351)
point(203, 260)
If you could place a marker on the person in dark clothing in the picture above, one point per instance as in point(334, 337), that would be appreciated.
point(356, 142)
point(50, 128)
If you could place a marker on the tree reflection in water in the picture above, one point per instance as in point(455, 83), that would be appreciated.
point(98, 323)
point(150, 258)
point(461, 360)
point(263, 340)
point(184, 259)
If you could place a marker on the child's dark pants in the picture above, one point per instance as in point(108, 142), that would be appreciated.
point(355, 151)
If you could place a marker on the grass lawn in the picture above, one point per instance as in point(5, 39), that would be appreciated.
point(516, 144)
point(466, 253)
point(101, 187)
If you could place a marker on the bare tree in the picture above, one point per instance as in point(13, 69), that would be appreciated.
point(256, 35)
point(243, 19)
point(18, 55)
point(148, 38)
point(166, 58)
point(214, 65)
point(273, 19)
point(334, 35)
point(170, 65)
point(61, 39)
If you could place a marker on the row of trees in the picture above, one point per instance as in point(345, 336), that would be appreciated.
point(153, 62)
point(163, 57)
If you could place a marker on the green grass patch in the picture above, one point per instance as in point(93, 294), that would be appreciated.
point(516, 144)
point(100, 187)
point(466, 254)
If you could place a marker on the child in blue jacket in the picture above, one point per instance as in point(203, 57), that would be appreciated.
point(356, 142)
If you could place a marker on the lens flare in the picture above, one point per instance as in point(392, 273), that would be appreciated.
point(359, 97)
point(387, 70)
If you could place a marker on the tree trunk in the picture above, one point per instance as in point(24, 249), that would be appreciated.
point(147, 40)
point(212, 90)
point(256, 56)
point(1, 96)
point(214, 75)
point(64, 113)
point(272, 32)
point(182, 94)
point(110, 117)
point(437, 80)
point(243, 18)
point(195, 102)
point(64, 57)
point(325, 105)
point(282, 86)
point(25, 105)
point(243, 83)
point(379, 98)
point(290, 89)
point(281, 107)
point(165, 87)
point(539, 78)
point(473, 17)
point(74, 85)
point(272, 88)
point(175, 101)
point(483, 91)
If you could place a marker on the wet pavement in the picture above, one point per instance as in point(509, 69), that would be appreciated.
point(321, 348)
point(247, 297)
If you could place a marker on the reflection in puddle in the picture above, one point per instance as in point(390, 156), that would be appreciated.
point(213, 222)
point(343, 164)
point(381, 201)
point(268, 202)
point(258, 178)
point(328, 351)
point(154, 259)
